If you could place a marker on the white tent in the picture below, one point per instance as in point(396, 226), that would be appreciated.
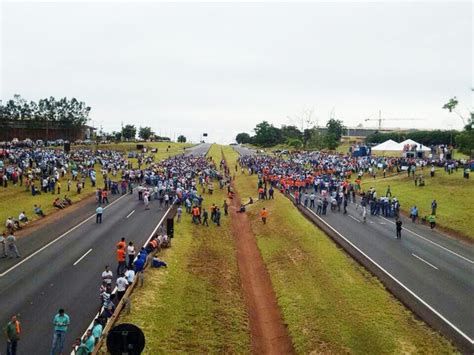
point(389, 145)
point(410, 142)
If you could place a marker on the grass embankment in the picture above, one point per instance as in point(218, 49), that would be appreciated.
point(196, 304)
point(452, 192)
point(15, 199)
point(330, 303)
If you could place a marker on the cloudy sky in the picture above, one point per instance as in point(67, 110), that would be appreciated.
point(188, 68)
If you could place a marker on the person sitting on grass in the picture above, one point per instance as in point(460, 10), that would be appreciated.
point(22, 217)
point(241, 209)
point(38, 210)
point(158, 263)
point(58, 204)
point(12, 224)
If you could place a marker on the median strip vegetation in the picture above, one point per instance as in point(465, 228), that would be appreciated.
point(195, 305)
point(330, 303)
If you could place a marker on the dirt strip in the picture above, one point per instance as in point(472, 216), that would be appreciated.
point(269, 334)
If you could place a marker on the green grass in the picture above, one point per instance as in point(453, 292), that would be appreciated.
point(195, 305)
point(448, 190)
point(330, 303)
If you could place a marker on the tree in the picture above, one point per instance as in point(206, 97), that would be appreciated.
point(290, 132)
point(117, 136)
point(129, 132)
point(145, 132)
point(267, 135)
point(331, 141)
point(295, 143)
point(181, 139)
point(336, 128)
point(317, 139)
point(465, 139)
point(243, 138)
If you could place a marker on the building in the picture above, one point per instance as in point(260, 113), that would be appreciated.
point(44, 130)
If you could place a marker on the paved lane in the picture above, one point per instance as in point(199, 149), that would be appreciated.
point(62, 265)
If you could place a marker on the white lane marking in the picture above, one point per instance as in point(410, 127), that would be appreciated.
point(130, 214)
point(82, 257)
point(355, 219)
point(73, 352)
point(434, 243)
point(397, 281)
point(58, 238)
point(416, 256)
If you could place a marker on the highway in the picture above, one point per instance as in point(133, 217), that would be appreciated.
point(62, 265)
point(437, 268)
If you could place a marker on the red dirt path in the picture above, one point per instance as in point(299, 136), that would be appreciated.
point(269, 334)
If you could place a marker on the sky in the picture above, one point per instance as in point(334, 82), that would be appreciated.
point(221, 68)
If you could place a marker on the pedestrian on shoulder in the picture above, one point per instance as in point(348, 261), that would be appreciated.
point(61, 322)
point(13, 332)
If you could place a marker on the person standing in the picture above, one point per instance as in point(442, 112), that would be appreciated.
point(130, 254)
point(205, 217)
point(398, 225)
point(107, 275)
point(11, 246)
point(225, 206)
point(179, 213)
point(13, 332)
point(122, 284)
point(120, 260)
point(218, 217)
point(264, 215)
point(434, 206)
point(2, 245)
point(98, 214)
point(61, 322)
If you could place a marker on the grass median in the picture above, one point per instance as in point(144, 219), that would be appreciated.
point(195, 305)
point(452, 192)
point(330, 303)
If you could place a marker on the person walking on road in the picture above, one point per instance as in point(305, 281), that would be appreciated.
point(13, 332)
point(398, 225)
point(264, 215)
point(98, 214)
point(61, 322)
point(11, 246)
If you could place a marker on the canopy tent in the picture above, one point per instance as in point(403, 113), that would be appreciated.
point(389, 145)
point(409, 144)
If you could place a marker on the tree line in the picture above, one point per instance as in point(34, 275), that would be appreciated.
point(66, 111)
point(267, 135)
point(129, 133)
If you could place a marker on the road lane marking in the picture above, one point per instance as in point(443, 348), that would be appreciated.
point(130, 214)
point(416, 256)
point(355, 219)
point(459, 331)
point(58, 238)
point(438, 245)
point(82, 257)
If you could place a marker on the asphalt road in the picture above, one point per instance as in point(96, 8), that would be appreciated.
point(439, 269)
point(62, 265)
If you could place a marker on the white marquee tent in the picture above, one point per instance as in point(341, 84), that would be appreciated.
point(389, 145)
point(419, 147)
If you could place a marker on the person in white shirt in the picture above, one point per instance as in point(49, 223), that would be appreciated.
point(22, 217)
point(122, 285)
point(130, 275)
point(130, 254)
point(107, 275)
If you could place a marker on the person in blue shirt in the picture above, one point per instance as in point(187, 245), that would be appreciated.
point(90, 341)
point(98, 214)
point(97, 330)
point(414, 213)
point(61, 322)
